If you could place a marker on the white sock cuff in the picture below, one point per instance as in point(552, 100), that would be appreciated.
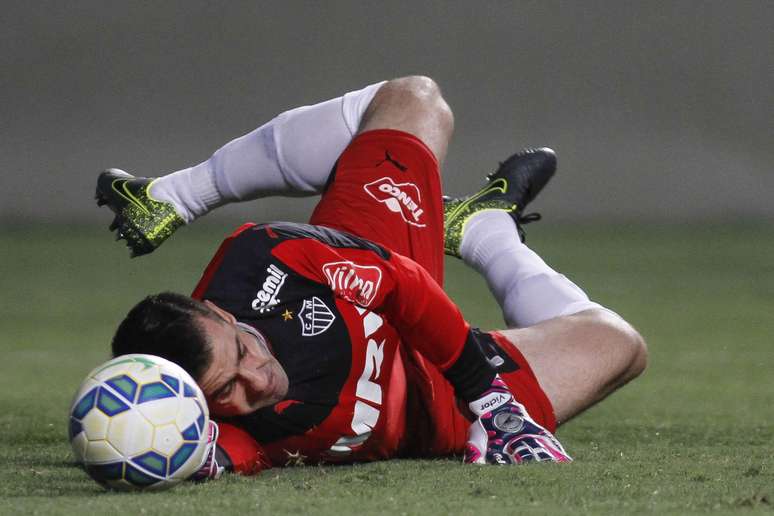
point(205, 189)
point(581, 306)
point(307, 141)
point(192, 191)
point(485, 235)
point(543, 296)
point(292, 154)
point(355, 103)
point(526, 288)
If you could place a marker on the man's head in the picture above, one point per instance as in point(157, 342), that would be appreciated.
point(234, 367)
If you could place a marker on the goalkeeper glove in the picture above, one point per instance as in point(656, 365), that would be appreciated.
point(209, 470)
point(504, 433)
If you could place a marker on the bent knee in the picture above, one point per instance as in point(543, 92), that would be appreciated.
point(640, 362)
point(426, 92)
point(419, 96)
point(414, 105)
point(418, 88)
point(626, 341)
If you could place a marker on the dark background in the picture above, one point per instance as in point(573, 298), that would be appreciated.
point(658, 110)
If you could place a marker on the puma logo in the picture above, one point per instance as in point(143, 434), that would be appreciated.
point(387, 158)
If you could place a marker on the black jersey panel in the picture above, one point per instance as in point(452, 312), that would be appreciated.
point(300, 319)
point(332, 237)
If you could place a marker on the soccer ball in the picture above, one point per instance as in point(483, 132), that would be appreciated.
point(139, 422)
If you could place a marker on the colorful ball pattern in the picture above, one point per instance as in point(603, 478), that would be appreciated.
point(139, 422)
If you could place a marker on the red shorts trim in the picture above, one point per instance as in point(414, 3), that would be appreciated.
point(387, 188)
point(246, 455)
point(525, 385)
point(448, 433)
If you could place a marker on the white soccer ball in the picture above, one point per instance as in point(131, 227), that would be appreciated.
point(139, 422)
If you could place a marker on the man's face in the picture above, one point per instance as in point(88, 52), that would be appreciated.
point(243, 375)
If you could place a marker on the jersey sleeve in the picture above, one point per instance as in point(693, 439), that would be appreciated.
point(393, 285)
point(242, 453)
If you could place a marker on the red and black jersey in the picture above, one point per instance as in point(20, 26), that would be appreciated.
point(333, 306)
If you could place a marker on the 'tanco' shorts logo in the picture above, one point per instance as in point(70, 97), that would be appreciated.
point(355, 283)
point(400, 198)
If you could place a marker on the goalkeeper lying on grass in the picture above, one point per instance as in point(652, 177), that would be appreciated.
point(334, 341)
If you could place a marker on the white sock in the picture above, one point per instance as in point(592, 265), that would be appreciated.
point(527, 290)
point(291, 155)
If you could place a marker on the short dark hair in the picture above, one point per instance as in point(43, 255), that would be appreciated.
point(165, 325)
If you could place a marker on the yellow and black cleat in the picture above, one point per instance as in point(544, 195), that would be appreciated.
point(511, 188)
point(139, 219)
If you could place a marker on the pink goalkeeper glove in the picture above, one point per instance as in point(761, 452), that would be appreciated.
point(504, 433)
point(209, 469)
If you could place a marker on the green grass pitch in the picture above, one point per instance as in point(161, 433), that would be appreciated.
point(694, 434)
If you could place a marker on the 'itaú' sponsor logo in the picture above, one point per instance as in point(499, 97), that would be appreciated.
point(266, 298)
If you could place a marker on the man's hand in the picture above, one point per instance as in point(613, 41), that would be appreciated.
point(209, 470)
point(504, 433)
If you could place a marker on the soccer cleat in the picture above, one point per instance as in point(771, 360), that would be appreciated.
point(515, 184)
point(504, 433)
point(141, 220)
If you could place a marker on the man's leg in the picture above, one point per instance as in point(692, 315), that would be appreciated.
point(293, 154)
point(579, 351)
point(526, 288)
point(386, 185)
point(413, 105)
point(580, 359)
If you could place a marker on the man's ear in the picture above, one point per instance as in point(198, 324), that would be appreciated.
point(223, 314)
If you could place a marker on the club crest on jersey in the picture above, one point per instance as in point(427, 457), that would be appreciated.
point(355, 283)
point(315, 317)
point(400, 198)
point(266, 298)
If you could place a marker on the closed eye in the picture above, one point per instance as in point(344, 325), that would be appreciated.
point(228, 387)
point(225, 391)
point(241, 351)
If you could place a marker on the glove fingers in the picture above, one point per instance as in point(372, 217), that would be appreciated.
point(476, 447)
point(538, 448)
point(209, 469)
point(473, 455)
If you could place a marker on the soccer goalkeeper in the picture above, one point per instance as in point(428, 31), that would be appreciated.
point(334, 341)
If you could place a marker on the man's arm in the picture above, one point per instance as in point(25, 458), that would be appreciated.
point(396, 287)
point(429, 322)
point(238, 452)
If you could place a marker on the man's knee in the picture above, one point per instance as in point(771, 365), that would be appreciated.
point(640, 355)
point(413, 104)
point(624, 339)
point(420, 93)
